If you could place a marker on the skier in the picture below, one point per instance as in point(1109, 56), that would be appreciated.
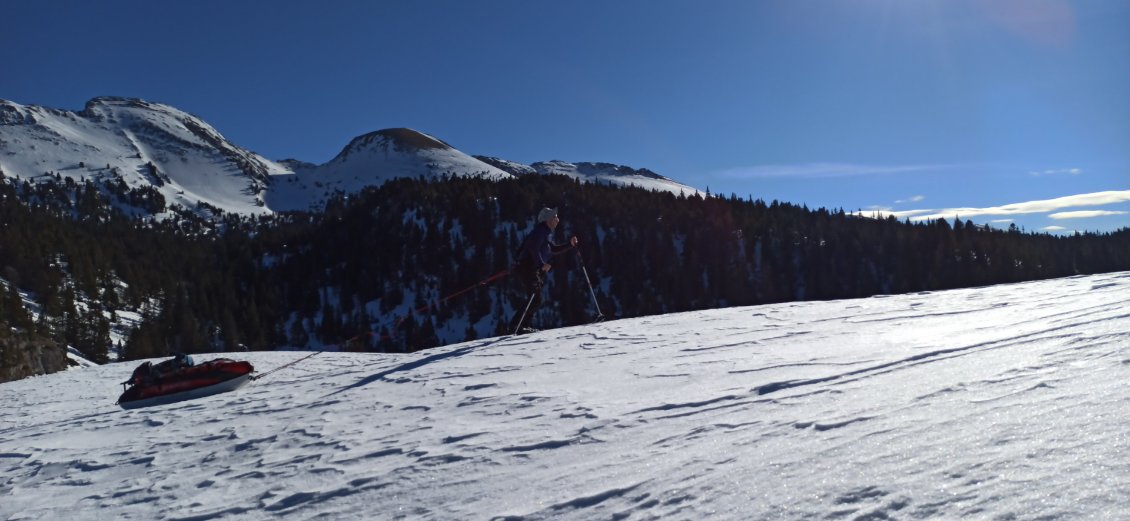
point(533, 265)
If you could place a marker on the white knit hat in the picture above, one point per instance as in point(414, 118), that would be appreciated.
point(546, 214)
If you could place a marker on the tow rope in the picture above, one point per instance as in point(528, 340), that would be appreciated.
point(284, 366)
point(422, 309)
point(459, 293)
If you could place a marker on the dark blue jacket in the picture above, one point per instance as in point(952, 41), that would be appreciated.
point(537, 248)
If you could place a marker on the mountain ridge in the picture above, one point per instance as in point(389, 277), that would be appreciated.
point(143, 143)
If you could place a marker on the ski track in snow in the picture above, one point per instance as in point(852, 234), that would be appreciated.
point(1004, 402)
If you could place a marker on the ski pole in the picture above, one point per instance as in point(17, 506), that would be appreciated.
point(599, 315)
point(527, 310)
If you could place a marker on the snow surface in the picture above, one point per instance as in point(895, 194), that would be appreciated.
point(118, 138)
point(610, 174)
point(1006, 402)
point(370, 160)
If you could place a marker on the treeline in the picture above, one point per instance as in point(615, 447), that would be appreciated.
point(80, 258)
point(648, 252)
point(371, 271)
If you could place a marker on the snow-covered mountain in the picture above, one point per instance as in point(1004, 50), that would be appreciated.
point(511, 167)
point(140, 143)
point(605, 173)
point(370, 160)
point(1005, 402)
point(150, 144)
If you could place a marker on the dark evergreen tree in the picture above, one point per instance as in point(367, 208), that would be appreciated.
point(221, 281)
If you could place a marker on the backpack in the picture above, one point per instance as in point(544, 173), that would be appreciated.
point(143, 375)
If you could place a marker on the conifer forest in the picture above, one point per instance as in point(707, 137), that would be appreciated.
point(376, 271)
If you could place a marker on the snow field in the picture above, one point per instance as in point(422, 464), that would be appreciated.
point(1005, 402)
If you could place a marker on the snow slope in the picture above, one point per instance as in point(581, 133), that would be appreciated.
point(192, 163)
point(372, 159)
point(606, 173)
point(1004, 402)
point(119, 138)
point(603, 173)
point(116, 138)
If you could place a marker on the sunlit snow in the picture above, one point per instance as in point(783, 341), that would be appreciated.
point(144, 144)
point(1006, 402)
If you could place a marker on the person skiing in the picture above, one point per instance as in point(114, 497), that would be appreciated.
point(532, 265)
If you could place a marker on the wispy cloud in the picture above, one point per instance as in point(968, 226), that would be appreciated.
point(1085, 214)
point(1060, 171)
point(1030, 207)
point(823, 170)
point(915, 199)
point(1053, 229)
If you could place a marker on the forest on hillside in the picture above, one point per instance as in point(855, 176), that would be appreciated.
point(372, 270)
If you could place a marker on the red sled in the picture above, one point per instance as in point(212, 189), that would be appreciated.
point(172, 381)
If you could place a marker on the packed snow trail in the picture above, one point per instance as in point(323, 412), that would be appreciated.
point(1005, 402)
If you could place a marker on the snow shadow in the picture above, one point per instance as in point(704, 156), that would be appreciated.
point(409, 366)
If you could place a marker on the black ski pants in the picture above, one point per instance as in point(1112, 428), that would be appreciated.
point(531, 281)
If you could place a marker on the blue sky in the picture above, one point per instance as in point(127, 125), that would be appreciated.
point(1009, 110)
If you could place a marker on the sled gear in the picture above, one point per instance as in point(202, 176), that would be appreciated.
point(183, 360)
point(169, 382)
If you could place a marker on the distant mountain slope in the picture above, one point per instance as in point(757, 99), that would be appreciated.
point(372, 159)
point(140, 143)
point(508, 166)
point(605, 173)
point(145, 144)
point(614, 174)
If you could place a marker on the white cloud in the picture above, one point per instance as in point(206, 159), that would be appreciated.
point(1053, 228)
point(915, 199)
point(1001, 221)
point(823, 170)
point(1030, 207)
point(1068, 171)
point(1085, 214)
